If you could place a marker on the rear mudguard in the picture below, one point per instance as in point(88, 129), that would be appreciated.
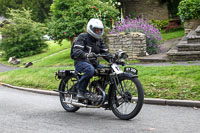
point(64, 75)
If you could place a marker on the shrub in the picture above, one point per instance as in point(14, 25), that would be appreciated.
point(153, 36)
point(160, 24)
point(21, 36)
point(189, 9)
point(70, 17)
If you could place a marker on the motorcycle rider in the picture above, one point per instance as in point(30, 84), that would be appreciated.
point(84, 52)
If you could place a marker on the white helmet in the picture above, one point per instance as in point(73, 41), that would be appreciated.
point(95, 28)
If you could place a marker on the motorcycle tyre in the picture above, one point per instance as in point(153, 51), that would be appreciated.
point(140, 99)
point(62, 88)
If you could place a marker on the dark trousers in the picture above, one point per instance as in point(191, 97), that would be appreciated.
point(88, 71)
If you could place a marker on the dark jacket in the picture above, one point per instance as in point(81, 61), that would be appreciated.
point(84, 44)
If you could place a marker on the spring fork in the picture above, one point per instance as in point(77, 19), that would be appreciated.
point(120, 84)
point(116, 80)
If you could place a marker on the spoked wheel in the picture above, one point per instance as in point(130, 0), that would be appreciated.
point(68, 85)
point(127, 99)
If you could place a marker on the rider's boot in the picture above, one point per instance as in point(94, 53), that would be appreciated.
point(81, 95)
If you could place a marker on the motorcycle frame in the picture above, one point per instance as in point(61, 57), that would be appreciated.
point(112, 77)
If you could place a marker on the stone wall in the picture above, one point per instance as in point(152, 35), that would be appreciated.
point(191, 24)
point(133, 43)
point(151, 9)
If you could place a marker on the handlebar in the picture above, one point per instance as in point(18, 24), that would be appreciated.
point(100, 55)
point(111, 59)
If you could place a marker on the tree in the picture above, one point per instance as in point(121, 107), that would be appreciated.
point(172, 7)
point(21, 35)
point(40, 8)
point(69, 17)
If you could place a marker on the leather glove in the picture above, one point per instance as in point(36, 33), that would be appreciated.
point(91, 55)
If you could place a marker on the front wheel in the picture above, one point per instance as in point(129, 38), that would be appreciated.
point(127, 98)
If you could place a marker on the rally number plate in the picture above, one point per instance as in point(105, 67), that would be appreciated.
point(131, 70)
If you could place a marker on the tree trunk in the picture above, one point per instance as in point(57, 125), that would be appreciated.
point(72, 40)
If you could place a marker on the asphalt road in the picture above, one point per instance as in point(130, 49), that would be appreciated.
point(4, 68)
point(26, 112)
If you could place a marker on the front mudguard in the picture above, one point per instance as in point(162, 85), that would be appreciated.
point(123, 75)
point(127, 74)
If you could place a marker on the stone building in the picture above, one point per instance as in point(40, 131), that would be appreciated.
point(151, 9)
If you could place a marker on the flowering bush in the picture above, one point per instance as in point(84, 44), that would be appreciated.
point(160, 24)
point(70, 17)
point(153, 36)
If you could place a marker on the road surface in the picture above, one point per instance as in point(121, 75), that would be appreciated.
point(26, 112)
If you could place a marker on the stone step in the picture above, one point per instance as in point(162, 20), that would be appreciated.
point(175, 55)
point(198, 31)
point(183, 46)
point(192, 37)
point(154, 58)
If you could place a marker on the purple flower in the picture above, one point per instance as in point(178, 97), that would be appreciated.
point(145, 26)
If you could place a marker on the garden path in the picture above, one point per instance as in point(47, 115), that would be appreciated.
point(162, 57)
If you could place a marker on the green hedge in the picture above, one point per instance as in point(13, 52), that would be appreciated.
point(189, 9)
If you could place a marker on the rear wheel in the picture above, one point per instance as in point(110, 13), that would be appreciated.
point(68, 86)
point(127, 99)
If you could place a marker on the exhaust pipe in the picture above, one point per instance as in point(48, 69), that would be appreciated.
point(76, 104)
point(81, 105)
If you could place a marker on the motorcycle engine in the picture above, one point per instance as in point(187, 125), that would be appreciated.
point(95, 99)
point(95, 96)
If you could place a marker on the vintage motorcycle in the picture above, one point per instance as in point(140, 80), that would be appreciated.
point(110, 88)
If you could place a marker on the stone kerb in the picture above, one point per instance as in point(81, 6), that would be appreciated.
point(134, 43)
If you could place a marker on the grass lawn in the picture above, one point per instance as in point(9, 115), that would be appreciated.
point(52, 49)
point(54, 56)
point(172, 34)
point(57, 55)
point(169, 82)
